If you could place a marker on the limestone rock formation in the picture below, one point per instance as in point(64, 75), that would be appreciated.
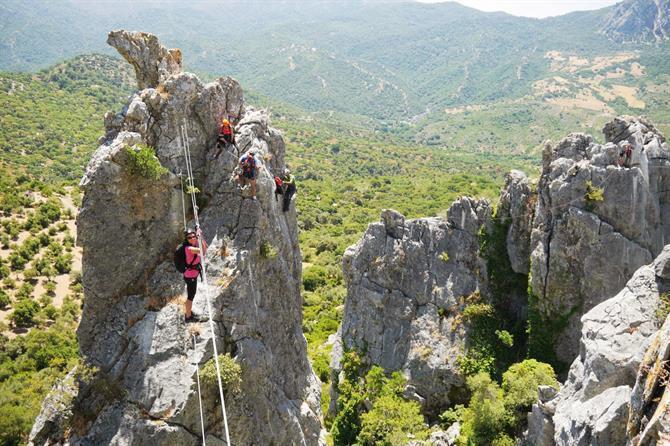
point(649, 419)
point(153, 62)
point(132, 330)
point(407, 281)
point(638, 21)
point(597, 399)
point(596, 223)
point(515, 208)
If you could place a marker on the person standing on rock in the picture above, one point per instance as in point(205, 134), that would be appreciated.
point(226, 137)
point(248, 174)
point(193, 270)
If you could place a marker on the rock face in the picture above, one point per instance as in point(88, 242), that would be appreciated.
point(597, 399)
point(515, 207)
point(649, 419)
point(407, 281)
point(132, 327)
point(596, 223)
point(638, 21)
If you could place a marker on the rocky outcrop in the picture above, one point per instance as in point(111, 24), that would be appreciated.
point(597, 399)
point(132, 330)
point(515, 208)
point(596, 223)
point(153, 63)
point(638, 21)
point(407, 282)
point(649, 419)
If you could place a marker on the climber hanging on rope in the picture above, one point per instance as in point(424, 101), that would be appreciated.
point(192, 269)
point(226, 137)
point(285, 186)
point(247, 172)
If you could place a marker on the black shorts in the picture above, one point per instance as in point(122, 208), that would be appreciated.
point(191, 288)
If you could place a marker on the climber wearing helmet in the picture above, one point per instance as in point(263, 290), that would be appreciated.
point(248, 172)
point(285, 186)
point(226, 137)
point(193, 269)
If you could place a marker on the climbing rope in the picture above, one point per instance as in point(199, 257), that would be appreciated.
point(187, 155)
point(183, 205)
point(197, 375)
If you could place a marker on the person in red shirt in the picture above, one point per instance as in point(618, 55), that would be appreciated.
point(226, 137)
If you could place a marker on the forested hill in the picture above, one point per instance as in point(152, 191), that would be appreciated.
point(409, 59)
point(51, 120)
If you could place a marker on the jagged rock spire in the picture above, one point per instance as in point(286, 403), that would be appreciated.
point(132, 327)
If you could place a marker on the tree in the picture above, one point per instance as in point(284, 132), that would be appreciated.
point(24, 313)
point(4, 299)
point(485, 417)
point(520, 383)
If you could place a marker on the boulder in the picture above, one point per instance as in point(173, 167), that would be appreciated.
point(132, 331)
point(407, 282)
point(649, 419)
point(593, 405)
point(596, 223)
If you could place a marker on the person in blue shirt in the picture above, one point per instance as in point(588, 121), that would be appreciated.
point(248, 174)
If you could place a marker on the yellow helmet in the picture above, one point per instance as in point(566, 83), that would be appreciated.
point(225, 121)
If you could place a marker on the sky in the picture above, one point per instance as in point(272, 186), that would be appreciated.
point(533, 8)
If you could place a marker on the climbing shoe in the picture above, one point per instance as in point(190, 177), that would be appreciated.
point(196, 318)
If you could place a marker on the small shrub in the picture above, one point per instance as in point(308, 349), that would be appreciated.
point(520, 383)
point(25, 292)
point(391, 420)
point(268, 251)
point(63, 263)
point(452, 415)
point(663, 309)
point(9, 283)
point(593, 195)
point(192, 190)
point(505, 337)
point(231, 373)
point(314, 277)
point(4, 299)
point(485, 417)
point(50, 288)
point(444, 256)
point(143, 161)
point(478, 310)
point(70, 308)
point(24, 313)
point(30, 274)
point(51, 312)
point(321, 366)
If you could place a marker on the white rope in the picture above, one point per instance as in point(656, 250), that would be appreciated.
point(187, 152)
point(183, 205)
point(197, 375)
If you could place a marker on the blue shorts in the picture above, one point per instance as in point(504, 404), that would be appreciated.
point(251, 174)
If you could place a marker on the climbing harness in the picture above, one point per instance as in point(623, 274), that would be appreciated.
point(197, 375)
point(184, 141)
